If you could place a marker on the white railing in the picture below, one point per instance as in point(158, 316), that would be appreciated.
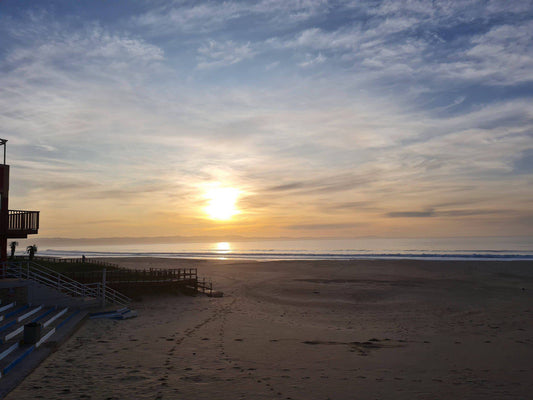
point(48, 277)
point(109, 295)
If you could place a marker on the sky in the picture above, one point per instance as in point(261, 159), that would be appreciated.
point(307, 118)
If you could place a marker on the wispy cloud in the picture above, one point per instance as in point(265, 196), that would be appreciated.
point(216, 54)
point(446, 213)
point(501, 56)
point(411, 214)
point(206, 17)
point(322, 227)
point(311, 61)
point(524, 163)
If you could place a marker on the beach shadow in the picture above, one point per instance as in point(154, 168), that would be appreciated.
point(362, 348)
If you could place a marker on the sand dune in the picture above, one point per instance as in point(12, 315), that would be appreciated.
point(311, 330)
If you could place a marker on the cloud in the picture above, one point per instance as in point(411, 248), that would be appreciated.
point(501, 56)
point(415, 41)
point(59, 85)
point(350, 205)
point(311, 61)
point(89, 45)
point(202, 17)
point(272, 65)
point(524, 164)
point(318, 39)
point(411, 214)
point(103, 221)
point(222, 54)
point(448, 213)
point(325, 184)
point(287, 186)
point(325, 226)
point(134, 192)
point(208, 17)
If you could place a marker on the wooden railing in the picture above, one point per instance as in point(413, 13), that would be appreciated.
point(135, 280)
point(79, 260)
point(24, 221)
point(124, 275)
point(204, 286)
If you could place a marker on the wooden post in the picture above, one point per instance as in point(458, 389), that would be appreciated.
point(4, 210)
point(103, 287)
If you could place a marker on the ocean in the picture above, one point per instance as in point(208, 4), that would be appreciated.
point(480, 248)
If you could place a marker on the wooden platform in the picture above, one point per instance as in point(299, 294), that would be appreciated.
point(133, 282)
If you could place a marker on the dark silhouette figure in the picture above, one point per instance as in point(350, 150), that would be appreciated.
point(31, 250)
point(13, 246)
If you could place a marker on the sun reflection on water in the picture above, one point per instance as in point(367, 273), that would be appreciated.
point(223, 247)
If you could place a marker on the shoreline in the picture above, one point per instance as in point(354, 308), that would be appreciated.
point(392, 329)
point(292, 256)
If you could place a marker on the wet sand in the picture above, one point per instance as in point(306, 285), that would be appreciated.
point(310, 330)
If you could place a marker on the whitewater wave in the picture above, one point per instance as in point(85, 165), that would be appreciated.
point(298, 255)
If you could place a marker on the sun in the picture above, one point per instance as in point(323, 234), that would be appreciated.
point(221, 203)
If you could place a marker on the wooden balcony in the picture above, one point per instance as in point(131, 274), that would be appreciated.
point(22, 223)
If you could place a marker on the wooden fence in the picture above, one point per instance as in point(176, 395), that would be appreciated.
point(131, 281)
point(136, 275)
point(80, 260)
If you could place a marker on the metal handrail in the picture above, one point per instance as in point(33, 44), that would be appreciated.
point(111, 295)
point(48, 277)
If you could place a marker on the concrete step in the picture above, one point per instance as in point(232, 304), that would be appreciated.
point(4, 310)
point(14, 351)
point(12, 327)
point(10, 318)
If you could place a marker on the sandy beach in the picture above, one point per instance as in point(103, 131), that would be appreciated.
point(310, 330)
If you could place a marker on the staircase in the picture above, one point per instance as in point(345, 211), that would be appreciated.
point(13, 317)
point(55, 303)
point(65, 289)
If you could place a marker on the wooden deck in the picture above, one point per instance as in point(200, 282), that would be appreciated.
point(22, 223)
point(134, 282)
